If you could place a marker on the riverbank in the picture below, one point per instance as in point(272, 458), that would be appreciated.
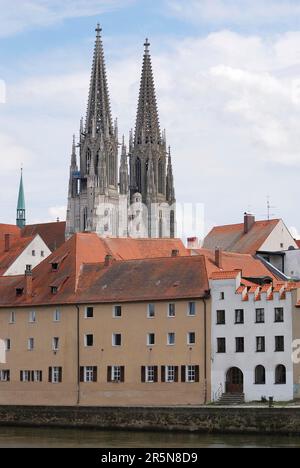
point(208, 419)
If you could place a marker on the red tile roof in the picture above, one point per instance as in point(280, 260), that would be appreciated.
point(53, 234)
point(224, 275)
point(126, 249)
point(297, 242)
point(233, 239)
point(12, 230)
point(83, 277)
point(17, 246)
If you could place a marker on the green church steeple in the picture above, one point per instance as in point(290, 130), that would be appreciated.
point(21, 211)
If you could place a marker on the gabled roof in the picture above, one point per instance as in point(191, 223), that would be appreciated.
point(53, 234)
point(128, 248)
point(233, 239)
point(17, 246)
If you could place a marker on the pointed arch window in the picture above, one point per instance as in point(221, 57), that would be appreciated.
point(111, 168)
point(160, 176)
point(85, 220)
point(138, 172)
point(172, 224)
point(88, 160)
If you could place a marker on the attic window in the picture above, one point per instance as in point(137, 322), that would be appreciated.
point(54, 266)
point(54, 289)
point(19, 291)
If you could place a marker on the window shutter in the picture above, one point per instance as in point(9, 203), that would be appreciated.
point(32, 376)
point(81, 373)
point(183, 376)
point(155, 374)
point(60, 374)
point(50, 374)
point(122, 374)
point(197, 374)
point(41, 376)
point(21, 376)
point(109, 369)
point(8, 376)
point(163, 373)
point(95, 373)
point(143, 374)
point(176, 373)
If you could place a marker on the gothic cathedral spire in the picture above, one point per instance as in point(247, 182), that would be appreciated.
point(21, 210)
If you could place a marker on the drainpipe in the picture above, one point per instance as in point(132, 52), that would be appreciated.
point(78, 354)
point(205, 349)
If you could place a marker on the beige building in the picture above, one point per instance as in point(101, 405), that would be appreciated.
point(130, 332)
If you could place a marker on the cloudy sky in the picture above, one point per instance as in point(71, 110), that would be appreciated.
point(228, 83)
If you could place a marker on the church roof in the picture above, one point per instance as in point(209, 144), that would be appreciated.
point(21, 197)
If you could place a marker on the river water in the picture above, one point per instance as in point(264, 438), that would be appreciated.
point(75, 438)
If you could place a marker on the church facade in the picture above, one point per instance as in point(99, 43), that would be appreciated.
point(133, 198)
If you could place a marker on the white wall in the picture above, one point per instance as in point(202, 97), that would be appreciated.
point(248, 360)
point(292, 263)
point(279, 239)
point(26, 257)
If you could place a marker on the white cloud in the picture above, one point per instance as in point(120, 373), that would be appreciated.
point(220, 12)
point(58, 212)
point(19, 15)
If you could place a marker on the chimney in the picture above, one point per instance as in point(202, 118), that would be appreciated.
point(6, 242)
point(28, 282)
point(249, 221)
point(175, 253)
point(108, 260)
point(219, 258)
point(193, 243)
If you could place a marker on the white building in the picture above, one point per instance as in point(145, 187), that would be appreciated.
point(251, 339)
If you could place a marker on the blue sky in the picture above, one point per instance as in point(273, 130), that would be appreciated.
point(228, 83)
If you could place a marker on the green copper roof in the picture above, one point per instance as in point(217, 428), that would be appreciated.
point(21, 198)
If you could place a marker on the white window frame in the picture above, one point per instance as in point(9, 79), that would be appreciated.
point(114, 337)
point(55, 343)
point(170, 374)
point(171, 334)
point(86, 312)
point(150, 374)
point(116, 372)
point(7, 342)
point(86, 345)
point(57, 315)
point(25, 376)
point(55, 375)
point(189, 338)
point(12, 318)
point(173, 314)
point(149, 306)
point(88, 374)
point(115, 307)
point(190, 373)
point(4, 375)
point(30, 344)
point(37, 376)
point(148, 339)
point(190, 313)
point(32, 316)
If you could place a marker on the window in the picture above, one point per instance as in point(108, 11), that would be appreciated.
point(151, 310)
point(150, 374)
point(33, 253)
point(117, 312)
point(260, 315)
point(42, 253)
point(32, 316)
point(191, 338)
point(260, 344)
point(280, 375)
point(221, 317)
point(4, 375)
point(116, 374)
point(170, 374)
point(279, 343)
point(239, 345)
point(190, 374)
point(25, 376)
point(12, 318)
point(56, 315)
point(30, 344)
point(89, 312)
point(28, 268)
point(54, 289)
point(221, 345)
point(281, 245)
point(171, 339)
point(37, 376)
point(19, 291)
point(151, 339)
point(260, 375)
point(88, 340)
point(117, 339)
point(55, 343)
point(222, 296)
point(7, 344)
point(54, 266)
point(192, 309)
point(88, 374)
point(171, 310)
point(55, 374)
point(239, 316)
point(279, 315)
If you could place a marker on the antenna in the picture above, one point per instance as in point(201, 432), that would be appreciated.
point(269, 208)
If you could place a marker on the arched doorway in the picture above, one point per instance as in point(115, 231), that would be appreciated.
point(234, 380)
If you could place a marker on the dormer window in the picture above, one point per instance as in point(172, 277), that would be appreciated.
point(54, 266)
point(54, 289)
point(19, 291)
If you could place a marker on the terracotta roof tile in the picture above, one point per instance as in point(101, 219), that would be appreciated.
point(223, 275)
point(17, 246)
point(53, 234)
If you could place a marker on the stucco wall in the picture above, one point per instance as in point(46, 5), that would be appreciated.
point(26, 257)
point(280, 235)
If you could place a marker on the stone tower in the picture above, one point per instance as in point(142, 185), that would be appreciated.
point(151, 173)
point(93, 197)
point(21, 210)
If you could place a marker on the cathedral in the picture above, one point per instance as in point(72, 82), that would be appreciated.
point(135, 198)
